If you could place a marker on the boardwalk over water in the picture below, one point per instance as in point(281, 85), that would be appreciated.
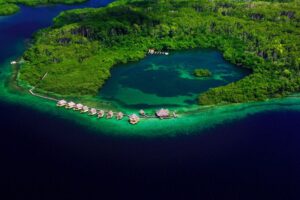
point(41, 96)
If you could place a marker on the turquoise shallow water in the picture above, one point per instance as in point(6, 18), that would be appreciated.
point(160, 81)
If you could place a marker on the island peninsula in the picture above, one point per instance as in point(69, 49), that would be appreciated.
point(79, 50)
point(9, 7)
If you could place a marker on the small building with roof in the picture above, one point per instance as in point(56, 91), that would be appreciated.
point(93, 111)
point(120, 116)
point(85, 109)
point(134, 119)
point(109, 114)
point(71, 104)
point(61, 103)
point(101, 113)
point(162, 113)
point(78, 106)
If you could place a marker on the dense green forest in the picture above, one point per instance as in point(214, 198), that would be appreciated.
point(9, 7)
point(82, 46)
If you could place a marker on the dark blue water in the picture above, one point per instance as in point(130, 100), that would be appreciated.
point(43, 157)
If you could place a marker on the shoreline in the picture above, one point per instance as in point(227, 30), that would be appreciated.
point(192, 119)
point(236, 46)
point(94, 102)
point(187, 115)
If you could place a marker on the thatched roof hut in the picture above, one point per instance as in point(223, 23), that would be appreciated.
point(85, 109)
point(93, 111)
point(61, 103)
point(120, 116)
point(162, 113)
point(78, 106)
point(134, 119)
point(101, 113)
point(110, 114)
point(71, 104)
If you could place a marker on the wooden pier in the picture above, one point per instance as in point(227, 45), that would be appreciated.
point(41, 96)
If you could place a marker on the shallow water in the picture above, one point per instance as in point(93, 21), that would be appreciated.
point(245, 151)
point(159, 80)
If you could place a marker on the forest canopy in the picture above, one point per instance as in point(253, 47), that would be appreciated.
point(82, 46)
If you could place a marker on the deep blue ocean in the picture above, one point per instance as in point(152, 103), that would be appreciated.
point(45, 157)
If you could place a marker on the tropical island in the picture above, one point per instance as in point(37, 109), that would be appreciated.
point(9, 7)
point(202, 73)
point(79, 50)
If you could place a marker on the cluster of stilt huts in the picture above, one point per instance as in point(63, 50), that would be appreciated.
point(133, 118)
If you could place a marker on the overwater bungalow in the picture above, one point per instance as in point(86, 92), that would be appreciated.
point(134, 119)
point(120, 116)
point(163, 113)
point(70, 105)
point(101, 113)
point(61, 103)
point(142, 112)
point(109, 114)
point(93, 111)
point(78, 106)
point(85, 109)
